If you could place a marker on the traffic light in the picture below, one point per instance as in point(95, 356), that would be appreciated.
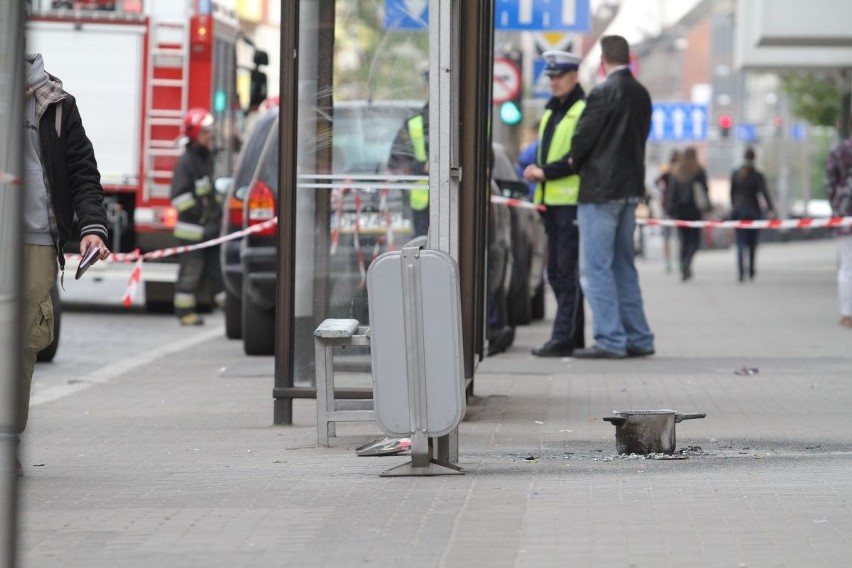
point(511, 110)
point(725, 122)
point(510, 113)
point(220, 101)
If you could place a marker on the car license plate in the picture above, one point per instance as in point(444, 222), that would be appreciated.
point(372, 223)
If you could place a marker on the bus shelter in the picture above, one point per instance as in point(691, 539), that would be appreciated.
point(351, 77)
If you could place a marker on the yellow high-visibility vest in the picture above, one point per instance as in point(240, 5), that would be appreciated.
point(418, 198)
point(561, 191)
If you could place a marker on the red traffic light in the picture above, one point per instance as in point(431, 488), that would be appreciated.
point(725, 121)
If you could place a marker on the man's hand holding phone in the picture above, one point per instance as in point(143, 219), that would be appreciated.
point(93, 249)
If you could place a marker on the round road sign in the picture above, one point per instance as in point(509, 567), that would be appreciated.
point(507, 81)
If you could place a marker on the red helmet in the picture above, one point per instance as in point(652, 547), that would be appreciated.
point(196, 119)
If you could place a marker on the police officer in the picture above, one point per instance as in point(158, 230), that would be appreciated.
point(410, 156)
point(557, 188)
point(199, 215)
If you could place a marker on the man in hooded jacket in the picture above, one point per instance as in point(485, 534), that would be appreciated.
point(61, 179)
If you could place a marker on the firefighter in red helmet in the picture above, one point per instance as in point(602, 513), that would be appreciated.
point(199, 216)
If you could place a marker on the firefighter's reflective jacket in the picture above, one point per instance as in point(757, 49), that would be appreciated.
point(193, 195)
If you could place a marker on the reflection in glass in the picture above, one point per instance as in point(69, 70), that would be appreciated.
point(360, 84)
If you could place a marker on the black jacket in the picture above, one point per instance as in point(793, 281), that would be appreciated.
point(746, 184)
point(72, 174)
point(682, 203)
point(608, 149)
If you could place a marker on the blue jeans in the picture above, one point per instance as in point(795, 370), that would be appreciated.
point(609, 277)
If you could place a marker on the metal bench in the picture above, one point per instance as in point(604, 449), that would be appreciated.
point(333, 333)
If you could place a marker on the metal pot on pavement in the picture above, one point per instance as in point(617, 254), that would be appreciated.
point(647, 431)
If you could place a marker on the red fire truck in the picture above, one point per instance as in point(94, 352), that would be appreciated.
point(135, 67)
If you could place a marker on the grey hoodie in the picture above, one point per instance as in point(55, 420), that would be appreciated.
point(37, 203)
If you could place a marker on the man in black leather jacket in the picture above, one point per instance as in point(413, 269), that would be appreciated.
point(608, 151)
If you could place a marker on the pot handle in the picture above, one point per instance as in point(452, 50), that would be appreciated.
point(682, 417)
point(616, 420)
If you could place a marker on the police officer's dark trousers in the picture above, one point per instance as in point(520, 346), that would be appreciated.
point(563, 273)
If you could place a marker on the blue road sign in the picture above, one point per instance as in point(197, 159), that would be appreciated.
point(406, 14)
point(541, 82)
point(798, 131)
point(548, 15)
point(747, 132)
point(679, 121)
point(519, 15)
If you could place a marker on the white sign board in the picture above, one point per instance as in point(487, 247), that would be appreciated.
point(784, 34)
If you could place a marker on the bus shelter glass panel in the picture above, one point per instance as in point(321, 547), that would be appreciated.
point(362, 185)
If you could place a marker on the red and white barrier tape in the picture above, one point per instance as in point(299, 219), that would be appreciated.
point(6, 177)
point(135, 256)
point(132, 284)
point(520, 203)
point(807, 223)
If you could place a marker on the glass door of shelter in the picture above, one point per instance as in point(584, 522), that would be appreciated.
point(354, 165)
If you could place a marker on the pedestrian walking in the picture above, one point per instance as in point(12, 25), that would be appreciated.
point(61, 180)
point(608, 152)
point(690, 201)
point(748, 186)
point(663, 185)
point(839, 192)
point(557, 188)
point(199, 217)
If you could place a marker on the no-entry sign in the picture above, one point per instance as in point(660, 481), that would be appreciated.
point(507, 81)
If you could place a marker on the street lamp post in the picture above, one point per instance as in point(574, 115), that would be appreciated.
point(11, 110)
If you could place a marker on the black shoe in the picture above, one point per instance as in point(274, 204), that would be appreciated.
point(595, 352)
point(500, 340)
point(554, 348)
point(634, 352)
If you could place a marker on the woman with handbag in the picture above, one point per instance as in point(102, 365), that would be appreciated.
point(747, 184)
point(689, 201)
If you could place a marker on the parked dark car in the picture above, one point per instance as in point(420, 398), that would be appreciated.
point(525, 294)
point(366, 217)
point(232, 219)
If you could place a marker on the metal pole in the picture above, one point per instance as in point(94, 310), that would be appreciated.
point(444, 170)
point(845, 102)
point(415, 352)
point(288, 131)
point(11, 110)
point(476, 45)
point(784, 158)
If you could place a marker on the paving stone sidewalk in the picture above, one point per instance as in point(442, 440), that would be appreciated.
point(177, 464)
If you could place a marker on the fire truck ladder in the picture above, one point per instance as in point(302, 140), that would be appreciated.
point(166, 103)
